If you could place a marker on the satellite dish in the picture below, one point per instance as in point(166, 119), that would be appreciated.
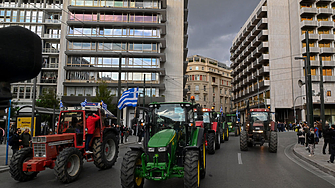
point(301, 83)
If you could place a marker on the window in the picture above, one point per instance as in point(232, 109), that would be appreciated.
point(197, 88)
point(327, 72)
point(189, 87)
point(196, 97)
point(190, 68)
point(313, 72)
point(324, 45)
point(326, 58)
point(202, 68)
point(204, 88)
point(307, 18)
point(322, 31)
point(321, 6)
point(322, 18)
point(213, 90)
point(213, 98)
point(196, 68)
point(310, 45)
point(309, 31)
point(329, 93)
point(220, 91)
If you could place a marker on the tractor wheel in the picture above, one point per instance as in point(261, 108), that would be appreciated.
point(244, 141)
point(192, 169)
point(105, 153)
point(203, 161)
point(217, 140)
point(211, 143)
point(68, 165)
point(226, 138)
point(222, 136)
point(16, 164)
point(273, 142)
point(129, 177)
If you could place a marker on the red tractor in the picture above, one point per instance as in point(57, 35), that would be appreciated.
point(64, 152)
point(204, 118)
point(259, 129)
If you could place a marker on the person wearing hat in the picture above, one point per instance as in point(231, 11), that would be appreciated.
point(332, 144)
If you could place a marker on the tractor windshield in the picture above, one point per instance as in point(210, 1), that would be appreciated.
point(170, 116)
point(71, 122)
point(206, 117)
point(231, 118)
point(259, 116)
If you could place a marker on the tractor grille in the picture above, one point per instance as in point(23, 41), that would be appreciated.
point(39, 150)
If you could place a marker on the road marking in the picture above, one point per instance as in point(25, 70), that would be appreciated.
point(239, 158)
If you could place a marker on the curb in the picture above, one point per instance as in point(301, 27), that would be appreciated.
point(4, 169)
point(324, 169)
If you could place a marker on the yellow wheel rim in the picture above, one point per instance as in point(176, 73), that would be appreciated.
point(204, 153)
point(198, 173)
point(138, 180)
point(227, 133)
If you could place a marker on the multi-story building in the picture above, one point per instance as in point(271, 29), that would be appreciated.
point(209, 81)
point(43, 18)
point(83, 41)
point(263, 57)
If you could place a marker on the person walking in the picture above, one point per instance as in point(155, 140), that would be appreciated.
point(90, 123)
point(311, 141)
point(26, 138)
point(316, 131)
point(2, 135)
point(15, 141)
point(126, 132)
point(301, 136)
point(122, 133)
point(326, 139)
point(140, 132)
point(332, 144)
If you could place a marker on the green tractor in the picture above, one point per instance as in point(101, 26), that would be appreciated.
point(224, 133)
point(173, 147)
point(232, 124)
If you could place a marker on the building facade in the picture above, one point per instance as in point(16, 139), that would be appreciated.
point(263, 58)
point(83, 41)
point(209, 81)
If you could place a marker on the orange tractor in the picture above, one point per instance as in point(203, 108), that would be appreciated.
point(64, 152)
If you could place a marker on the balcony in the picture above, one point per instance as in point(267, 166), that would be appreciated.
point(264, 70)
point(326, 36)
point(328, 63)
point(264, 83)
point(306, 10)
point(50, 50)
point(263, 57)
point(329, 78)
point(315, 78)
point(310, 36)
point(263, 46)
point(325, 11)
point(308, 23)
point(263, 35)
point(251, 67)
point(327, 50)
point(314, 63)
point(311, 49)
point(51, 36)
point(214, 84)
point(325, 24)
point(262, 24)
point(52, 21)
point(262, 12)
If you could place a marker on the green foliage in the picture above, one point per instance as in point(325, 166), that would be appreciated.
point(104, 93)
point(48, 99)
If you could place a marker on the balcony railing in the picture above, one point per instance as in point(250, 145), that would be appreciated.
point(308, 23)
point(50, 50)
point(306, 10)
point(52, 21)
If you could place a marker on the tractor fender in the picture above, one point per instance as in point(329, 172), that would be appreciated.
point(200, 135)
point(215, 126)
point(113, 130)
point(134, 148)
point(191, 148)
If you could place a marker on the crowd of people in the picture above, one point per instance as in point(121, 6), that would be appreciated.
point(125, 132)
point(310, 136)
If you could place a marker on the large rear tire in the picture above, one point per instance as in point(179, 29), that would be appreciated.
point(222, 136)
point(192, 169)
point(16, 164)
point(68, 165)
point(244, 141)
point(105, 153)
point(273, 141)
point(131, 161)
point(211, 143)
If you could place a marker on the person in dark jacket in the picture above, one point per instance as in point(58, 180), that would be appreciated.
point(326, 137)
point(15, 141)
point(311, 141)
point(332, 144)
point(26, 138)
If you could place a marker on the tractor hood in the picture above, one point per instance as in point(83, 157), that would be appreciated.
point(162, 138)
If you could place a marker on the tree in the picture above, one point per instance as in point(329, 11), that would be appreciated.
point(104, 94)
point(48, 99)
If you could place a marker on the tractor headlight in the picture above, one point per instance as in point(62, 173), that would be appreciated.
point(248, 124)
point(162, 149)
point(151, 149)
point(254, 131)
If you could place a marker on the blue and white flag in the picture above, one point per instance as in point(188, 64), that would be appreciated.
point(83, 104)
point(103, 105)
point(221, 110)
point(128, 98)
point(61, 104)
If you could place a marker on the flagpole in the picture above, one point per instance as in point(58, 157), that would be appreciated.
point(119, 90)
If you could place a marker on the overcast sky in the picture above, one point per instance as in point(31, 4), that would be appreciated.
point(213, 24)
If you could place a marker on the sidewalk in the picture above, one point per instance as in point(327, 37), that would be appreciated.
point(319, 160)
point(3, 167)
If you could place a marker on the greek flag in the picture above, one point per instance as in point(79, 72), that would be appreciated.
point(221, 110)
point(128, 98)
point(61, 104)
point(83, 104)
point(103, 105)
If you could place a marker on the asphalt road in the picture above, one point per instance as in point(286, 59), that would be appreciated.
point(228, 167)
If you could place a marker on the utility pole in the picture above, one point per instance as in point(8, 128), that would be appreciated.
point(119, 90)
point(309, 85)
point(322, 97)
point(33, 109)
point(143, 94)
